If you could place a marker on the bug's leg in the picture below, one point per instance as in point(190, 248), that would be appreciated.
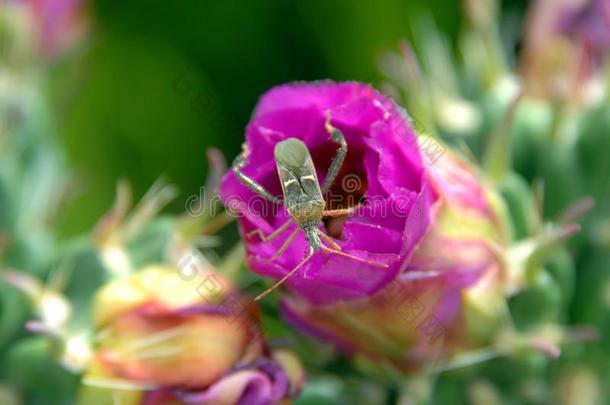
point(358, 259)
point(340, 212)
point(330, 241)
point(238, 165)
point(337, 137)
point(286, 277)
point(284, 246)
point(336, 213)
point(272, 235)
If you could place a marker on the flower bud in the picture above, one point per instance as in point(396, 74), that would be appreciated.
point(188, 340)
point(451, 296)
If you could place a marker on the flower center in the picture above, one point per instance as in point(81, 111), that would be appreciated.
point(349, 187)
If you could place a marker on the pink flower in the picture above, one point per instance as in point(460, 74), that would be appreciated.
point(382, 176)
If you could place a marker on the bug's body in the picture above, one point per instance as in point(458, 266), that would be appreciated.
point(303, 196)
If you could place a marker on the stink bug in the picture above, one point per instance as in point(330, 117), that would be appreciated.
point(302, 197)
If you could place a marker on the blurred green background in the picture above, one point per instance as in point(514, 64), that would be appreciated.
point(155, 85)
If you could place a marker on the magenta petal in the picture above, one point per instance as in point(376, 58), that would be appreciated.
point(317, 95)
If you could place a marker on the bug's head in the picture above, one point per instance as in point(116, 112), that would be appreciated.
point(313, 238)
point(292, 153)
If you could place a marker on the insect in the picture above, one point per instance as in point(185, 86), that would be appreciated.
point(302, 198)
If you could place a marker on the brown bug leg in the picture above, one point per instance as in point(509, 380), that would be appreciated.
point(284, 246)
point(340, 252)
point(330, 241)
point(286, 277)
point(340, 212)
point(272, 235)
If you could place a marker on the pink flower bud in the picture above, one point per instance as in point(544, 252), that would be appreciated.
point(192, 340)
point(451, 296)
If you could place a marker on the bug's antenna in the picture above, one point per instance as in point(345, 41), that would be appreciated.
point(286, 277)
